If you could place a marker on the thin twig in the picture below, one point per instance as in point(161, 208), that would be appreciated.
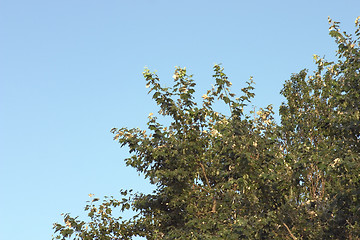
point(200, 187)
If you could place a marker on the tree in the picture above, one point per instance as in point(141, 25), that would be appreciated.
point(242, 176)
point(321, 132)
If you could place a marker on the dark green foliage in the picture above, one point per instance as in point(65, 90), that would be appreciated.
point(243, 176)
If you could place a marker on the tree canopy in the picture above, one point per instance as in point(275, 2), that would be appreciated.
point(241, 175)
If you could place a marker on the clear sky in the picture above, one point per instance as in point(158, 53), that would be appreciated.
point(72, 70)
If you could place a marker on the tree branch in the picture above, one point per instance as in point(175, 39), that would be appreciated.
point(287, 228)
point(213, 209)
point(203, 169)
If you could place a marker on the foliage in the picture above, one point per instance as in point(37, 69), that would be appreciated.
point(242, 176)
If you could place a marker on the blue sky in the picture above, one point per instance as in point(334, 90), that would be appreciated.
point(72, 70)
